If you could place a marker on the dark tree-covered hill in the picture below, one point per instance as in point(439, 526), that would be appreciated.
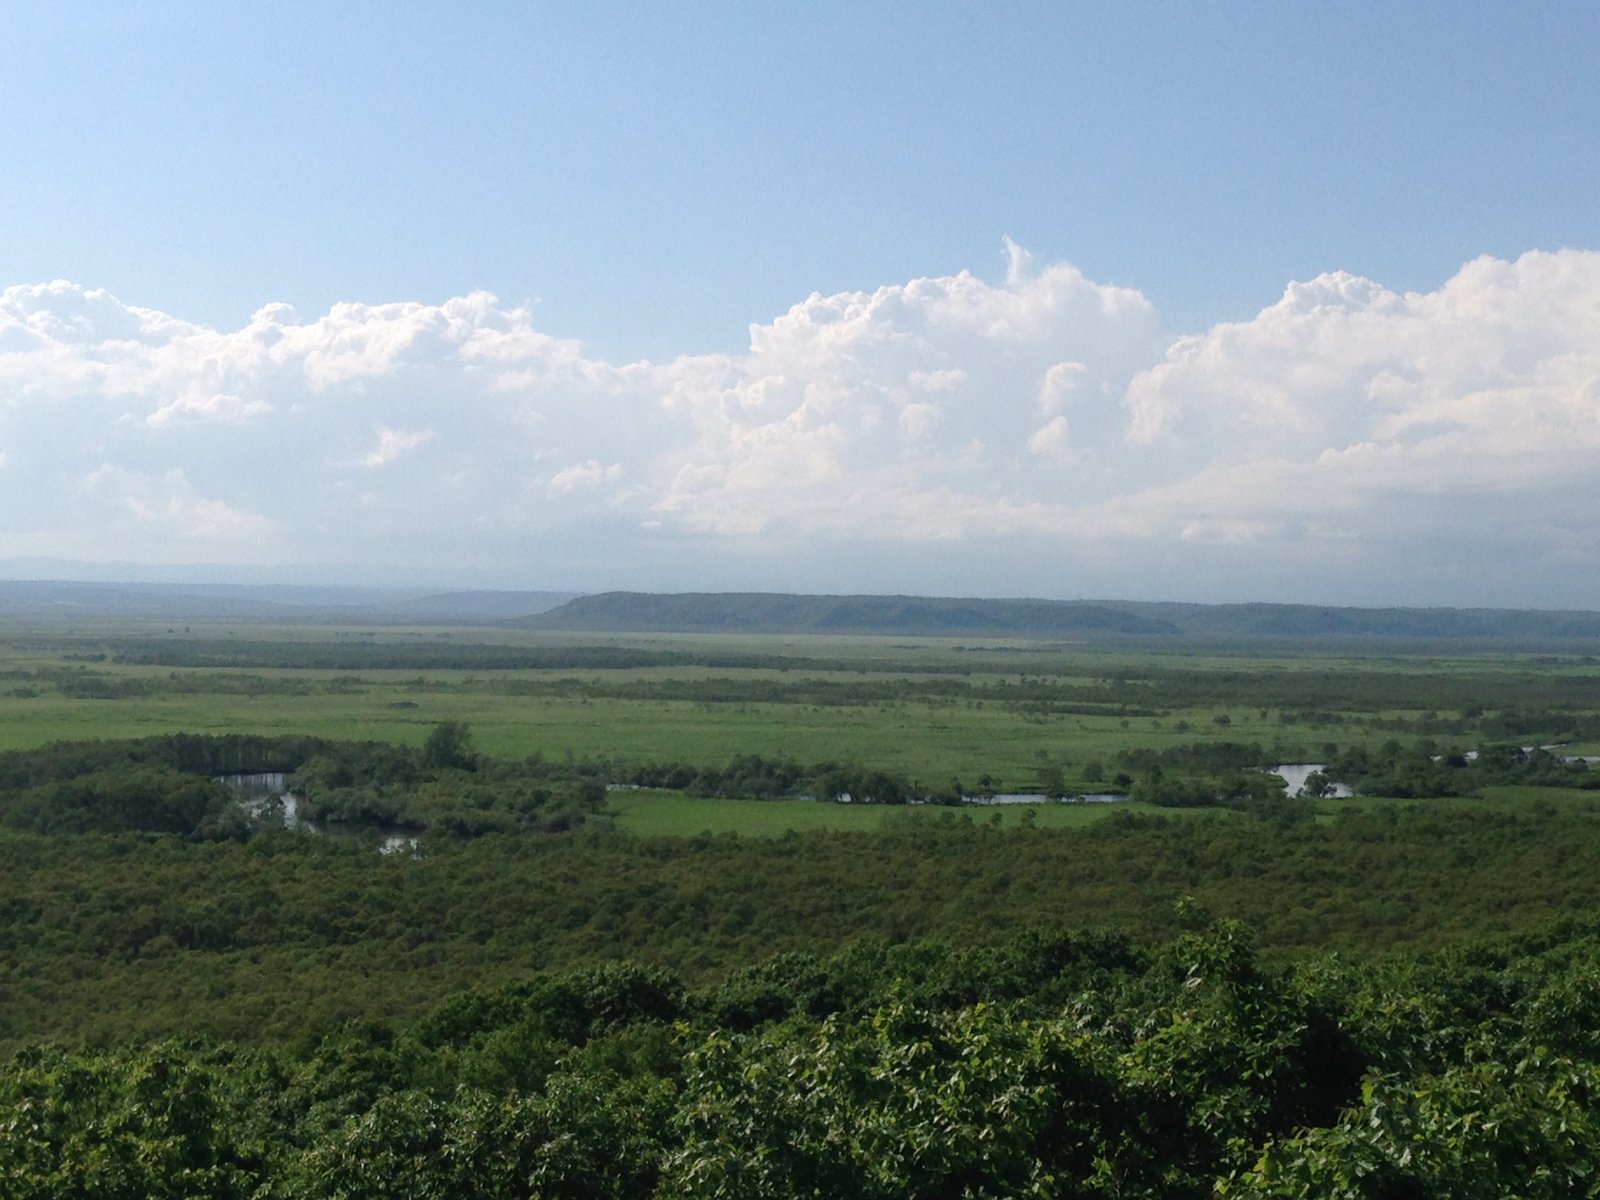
point(761, 612)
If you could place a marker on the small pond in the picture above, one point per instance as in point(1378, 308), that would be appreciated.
point(260, 792)
point(1296, 774)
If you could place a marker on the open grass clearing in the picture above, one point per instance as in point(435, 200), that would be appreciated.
point(932, 744)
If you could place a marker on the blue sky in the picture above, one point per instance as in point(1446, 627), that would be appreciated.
point(652, 181)
point(658, 176)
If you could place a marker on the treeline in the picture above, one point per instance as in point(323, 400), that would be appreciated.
point(194, 753)
point(86, 683)
point(1204, 757)
point(1553, 724)
point(752, 777)
point(1220, 774)
point(1557, 687)
point(168, 785)
point(1243, 791)
point(1230, 775)
point(158, 784)
point(444, 787)
point(443, 655)
point(1040, 697)
point(1052, 1064)
point(1424, 769)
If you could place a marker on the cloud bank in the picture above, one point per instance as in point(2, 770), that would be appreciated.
point(1038, 435)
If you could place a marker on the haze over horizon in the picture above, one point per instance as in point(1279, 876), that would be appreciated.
point(1230, 305)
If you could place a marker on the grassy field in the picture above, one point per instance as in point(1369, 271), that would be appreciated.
point(932, 710)
point(930, 743)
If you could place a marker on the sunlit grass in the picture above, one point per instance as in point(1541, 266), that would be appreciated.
point(931, 741)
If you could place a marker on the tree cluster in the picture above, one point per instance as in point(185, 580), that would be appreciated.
point(1055, 1064)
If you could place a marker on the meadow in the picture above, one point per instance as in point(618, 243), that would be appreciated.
point(998, 714)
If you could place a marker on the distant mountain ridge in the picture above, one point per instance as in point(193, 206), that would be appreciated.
point(790, 613)
point(773, 612)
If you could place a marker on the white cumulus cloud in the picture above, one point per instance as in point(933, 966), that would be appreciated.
point(232, 410)
point(1037, 434)
point(585, 476)
point(394, 444)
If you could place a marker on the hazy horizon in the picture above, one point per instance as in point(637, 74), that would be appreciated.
point(400, 581)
